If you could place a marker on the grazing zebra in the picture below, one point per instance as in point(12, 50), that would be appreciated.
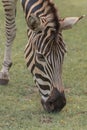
point(44, 52)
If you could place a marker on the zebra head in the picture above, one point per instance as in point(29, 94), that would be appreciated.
point(48, 71)
point(44, 54)
point(47, 51)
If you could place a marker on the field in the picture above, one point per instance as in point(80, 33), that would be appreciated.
point(20, 107)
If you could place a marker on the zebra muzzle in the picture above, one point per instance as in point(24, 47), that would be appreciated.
point(55, 102)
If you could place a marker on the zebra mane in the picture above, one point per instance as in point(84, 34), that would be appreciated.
point(54, 12)
point(57, 42)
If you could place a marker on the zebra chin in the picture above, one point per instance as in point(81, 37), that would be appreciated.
point(55, 102)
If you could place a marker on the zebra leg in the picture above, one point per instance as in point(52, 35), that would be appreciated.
point(9, 8)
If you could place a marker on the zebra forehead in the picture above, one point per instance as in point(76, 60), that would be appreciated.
point(49, 45)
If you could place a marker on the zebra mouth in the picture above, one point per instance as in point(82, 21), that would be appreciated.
point(54, 103)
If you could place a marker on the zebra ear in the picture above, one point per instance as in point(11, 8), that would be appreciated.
point(68, 22)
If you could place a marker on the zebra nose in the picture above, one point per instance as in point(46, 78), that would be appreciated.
point(55, 102)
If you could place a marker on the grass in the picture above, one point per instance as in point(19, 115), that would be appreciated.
point(20, 107)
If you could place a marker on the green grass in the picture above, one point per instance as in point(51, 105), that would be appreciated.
point(20, 107)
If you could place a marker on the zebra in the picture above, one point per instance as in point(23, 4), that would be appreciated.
point(45, 50)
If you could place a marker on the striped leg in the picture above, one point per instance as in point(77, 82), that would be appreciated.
point(9, 8)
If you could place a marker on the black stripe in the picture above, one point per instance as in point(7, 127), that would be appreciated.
point(40, 12)
point(23, 3)
point(29, 5)
point(30, 50)
point(39, 76)
point(37, 7)
point(42, 38)
point(45, 95)
point(44, 87)
point(30, 60)
point(39, 66)
point(32, 68)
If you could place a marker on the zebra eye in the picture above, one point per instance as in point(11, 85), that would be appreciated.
point(40, 57)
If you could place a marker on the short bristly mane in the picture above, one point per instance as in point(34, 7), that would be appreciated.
point(53, 11)
point(58, 41)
